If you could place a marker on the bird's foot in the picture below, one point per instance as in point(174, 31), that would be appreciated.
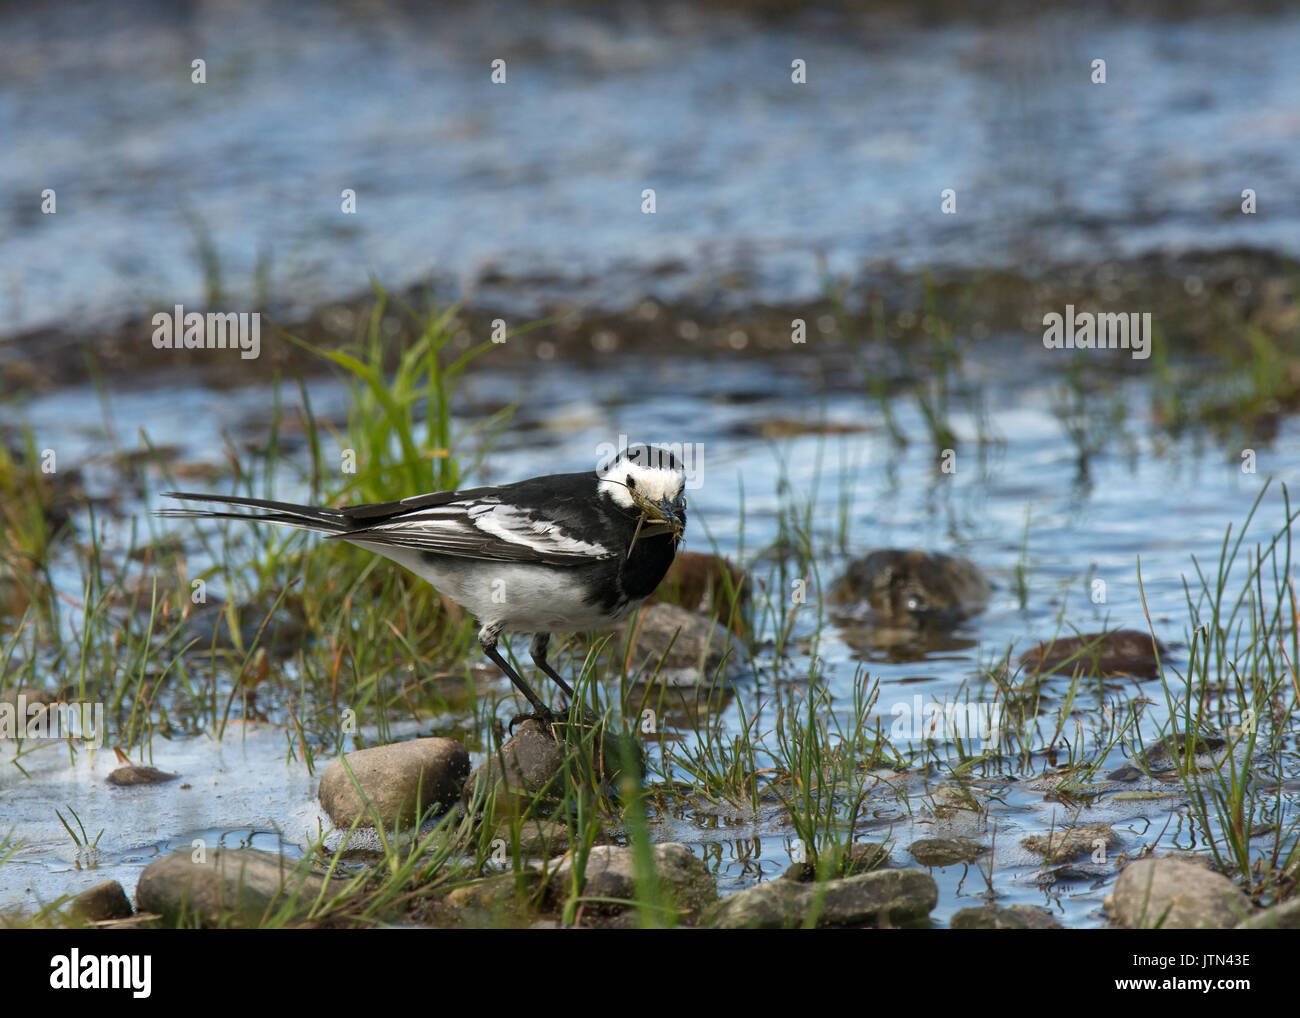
point(544, 715)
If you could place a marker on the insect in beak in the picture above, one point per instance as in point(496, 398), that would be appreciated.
point(656, 518)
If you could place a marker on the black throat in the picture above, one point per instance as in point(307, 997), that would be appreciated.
point(641, 571)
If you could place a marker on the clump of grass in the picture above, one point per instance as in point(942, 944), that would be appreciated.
point(391, 451)
point(825, 765)
point(1240, 681)
point(32, 516)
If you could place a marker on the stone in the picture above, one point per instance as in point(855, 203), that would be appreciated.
point(610, 872)
point(400, 782)
point(133, 774)
point(1121, 652)
point(1017, 917)
point(26, 696)
point(1174, 894)
point(671, 646)
point(1064, 845)
point(208, 626)
point(910, 586)
point(527, 766)
point(526, 774)
point(1279, 917)
point(245, 885)
point(101, 903)
point(946, 851)
point(881, 898)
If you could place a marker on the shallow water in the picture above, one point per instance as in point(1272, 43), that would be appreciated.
point(522, 193)
point(1143, 494)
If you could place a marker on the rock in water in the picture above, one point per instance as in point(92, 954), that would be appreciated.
point(139, 775)
point(610, 872)
point(244, 884)
point(101, 902)
point(1017, 917)
point(1063, 845)
point(879, 898)
point(1173, 894)
point(400, 782)
point(913, 587)
point(946, 851)
point(1120, 652)
point(528, 765)
point(671, 646)
point(1280, 917)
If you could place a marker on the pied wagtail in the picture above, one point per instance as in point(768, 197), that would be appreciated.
point(564, 552)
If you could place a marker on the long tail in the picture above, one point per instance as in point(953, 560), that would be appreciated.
point(304, 517)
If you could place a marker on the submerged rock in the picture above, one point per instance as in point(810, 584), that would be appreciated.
point(134, 774)
point(243, 884)
point(101, 903)
point(400, 782)
point(1163, 754)
point(1064, 845)
point(881, 898)
point(946, 851)
point(26, 697)
point(1173, 894)
point(208, 626)
point(1017, 917)
point(1176, 745)
point(1120, 652)
point(910, 586)
point(610, 872)
point(671, 646)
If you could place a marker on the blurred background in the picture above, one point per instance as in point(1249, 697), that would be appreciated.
point(525, 194)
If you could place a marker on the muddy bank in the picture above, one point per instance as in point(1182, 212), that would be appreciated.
point(1258, 287)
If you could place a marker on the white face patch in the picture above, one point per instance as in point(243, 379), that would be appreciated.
point(656, 481)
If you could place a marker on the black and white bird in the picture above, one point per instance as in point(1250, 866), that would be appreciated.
point(560, 553)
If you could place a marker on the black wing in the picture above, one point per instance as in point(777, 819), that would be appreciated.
point(532, 521)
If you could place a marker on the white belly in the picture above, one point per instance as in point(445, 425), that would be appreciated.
point(518, 597)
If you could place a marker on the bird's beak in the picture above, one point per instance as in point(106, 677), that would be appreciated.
point(668, 516)
point(660, 517)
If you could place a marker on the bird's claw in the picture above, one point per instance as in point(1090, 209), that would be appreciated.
point(543, 715)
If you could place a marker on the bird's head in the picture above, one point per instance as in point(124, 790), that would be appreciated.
point(650, 481)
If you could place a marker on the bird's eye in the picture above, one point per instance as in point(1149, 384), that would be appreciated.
point(631, 483)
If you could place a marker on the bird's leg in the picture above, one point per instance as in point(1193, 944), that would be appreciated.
point(487, 639)
point(538, 651)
